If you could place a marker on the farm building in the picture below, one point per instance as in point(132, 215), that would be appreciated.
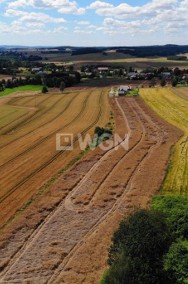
point(132, 75)
point(103, 69)
point(123, 90)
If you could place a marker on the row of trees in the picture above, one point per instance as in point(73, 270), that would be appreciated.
point(58, 80)
point(151, 246)
point(174, 81)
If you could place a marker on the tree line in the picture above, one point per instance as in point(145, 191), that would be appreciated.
point(151, 246)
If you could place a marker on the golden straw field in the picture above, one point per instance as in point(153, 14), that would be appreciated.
point(172, 105)
point(29, 124)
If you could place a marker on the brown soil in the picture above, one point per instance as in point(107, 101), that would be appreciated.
point(64, 237)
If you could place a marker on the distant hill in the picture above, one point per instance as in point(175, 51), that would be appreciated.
point(138, 51)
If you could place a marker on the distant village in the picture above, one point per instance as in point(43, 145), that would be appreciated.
point(133, 74)
point(55, 75)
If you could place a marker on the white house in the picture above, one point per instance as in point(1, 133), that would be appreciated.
point(123, 90)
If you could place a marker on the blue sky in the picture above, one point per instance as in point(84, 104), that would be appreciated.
point(93, 23)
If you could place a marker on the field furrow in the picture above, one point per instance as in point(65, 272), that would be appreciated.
point(174, 109)
point(24, 173)
point(67, 244)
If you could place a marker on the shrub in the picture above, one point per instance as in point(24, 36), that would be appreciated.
point(176, 210)
point(151, 246)
point(176, 261)
point(136, 255)
point(44, 90)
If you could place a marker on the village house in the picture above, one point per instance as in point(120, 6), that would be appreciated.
point(166, 75)
point(123, 90)
point(132, 75)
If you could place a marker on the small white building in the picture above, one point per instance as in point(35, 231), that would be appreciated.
point(103, 69)
point(123, 90)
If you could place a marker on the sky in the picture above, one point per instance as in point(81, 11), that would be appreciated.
point(93, 23)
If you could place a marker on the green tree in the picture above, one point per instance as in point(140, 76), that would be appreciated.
point(120, 72)
point(82, 68)
point(152, 82)
point(62, 86)
point(44, 90)
point(163, 82)
point(176, 261)
point(137, 250)
point(175, 209)
point(174, 82)
point(77, 77)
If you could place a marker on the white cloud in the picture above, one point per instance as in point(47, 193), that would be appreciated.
point(35, 25)
point(125, 10)
point(20, 3)
point(33, 16)
point(79, 31)
point(100, 5)
point(157, 18)
point(83, 23)
point(58, 30)
point(62, 6)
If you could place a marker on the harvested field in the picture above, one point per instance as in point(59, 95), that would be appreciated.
point(64, 236)
point(29, 125)
point(181, 92)
point(172, 105)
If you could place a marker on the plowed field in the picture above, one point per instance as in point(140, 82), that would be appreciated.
point(64, 236)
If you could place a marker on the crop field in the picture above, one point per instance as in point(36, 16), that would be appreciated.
point(9, 91)
point(117, 59)
point(172, 105)
point(181, 92)
point(29, 124)
point(64, 236)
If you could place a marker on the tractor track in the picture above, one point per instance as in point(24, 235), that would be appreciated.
point(28, 119)
point(42, 140)
point(3, 117)
point(67, 259)
point(12, 103)
point(44, 165)
point(45, 123)
point(18, 253)
point(16, 257)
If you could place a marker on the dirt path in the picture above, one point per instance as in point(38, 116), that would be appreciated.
point(70, 244)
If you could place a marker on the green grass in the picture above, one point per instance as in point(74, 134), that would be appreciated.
point(134, 92)
point(9, 91)
point(182, 85)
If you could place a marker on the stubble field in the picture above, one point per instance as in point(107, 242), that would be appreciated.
point(172, 105)
point(29, 124)
point(63, 237)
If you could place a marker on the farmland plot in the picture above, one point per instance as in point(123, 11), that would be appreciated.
point(29, 124)
point(181, 92)
point(64, 237)
point(173, 109)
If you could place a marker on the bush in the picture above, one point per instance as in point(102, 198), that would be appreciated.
point(176, 261)
point(136, 255)
point(176, 210)
point(151, 246)
point(62, 86)
point(44, 90)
